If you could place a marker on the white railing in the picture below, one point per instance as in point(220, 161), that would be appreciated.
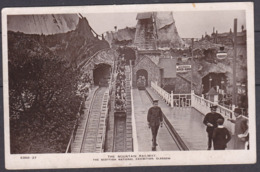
point(181, 100)
point(203, 106)
point(164, 94)
point(173, 100)
point(195, 101)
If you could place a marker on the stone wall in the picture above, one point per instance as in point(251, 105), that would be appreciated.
point(168, 84)
point(105, 56)
point(181, 86)
point(152, 69)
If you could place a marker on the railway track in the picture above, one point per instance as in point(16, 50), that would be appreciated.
point(120, 134)
point(123, 141)
point(92, 137)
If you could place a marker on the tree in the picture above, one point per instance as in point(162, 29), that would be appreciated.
point(42, 97)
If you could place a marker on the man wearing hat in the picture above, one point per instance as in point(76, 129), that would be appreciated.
point(154, 119)
point(210, 121)
point(241, 129)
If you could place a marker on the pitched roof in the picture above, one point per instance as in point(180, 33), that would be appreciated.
point(141, 16)
point(212, 91)
point(169, 67)
point(149, 59)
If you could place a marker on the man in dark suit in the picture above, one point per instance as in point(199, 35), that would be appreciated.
point(210, 121)
point(154, 119)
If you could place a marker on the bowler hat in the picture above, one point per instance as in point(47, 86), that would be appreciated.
point(214, 107)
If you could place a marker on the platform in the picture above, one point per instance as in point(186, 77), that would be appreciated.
point(187, 121)
point(141, 104)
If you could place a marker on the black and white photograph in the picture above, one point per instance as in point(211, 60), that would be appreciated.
point(129, 85)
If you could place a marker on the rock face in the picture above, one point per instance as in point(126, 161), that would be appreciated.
point(153, 30)
point(166, 30)
point(42, 24)
point(208, 64)
point(74, 46)
point(121, 37)
point(106, 56)
point(156, 30)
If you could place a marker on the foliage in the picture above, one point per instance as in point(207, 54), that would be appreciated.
point(43, 101)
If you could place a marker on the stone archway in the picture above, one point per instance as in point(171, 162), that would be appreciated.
point(101, 74)
point(142, 72)
point(212, 80)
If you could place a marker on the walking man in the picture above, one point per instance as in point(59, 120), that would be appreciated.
point(210, 121)
point(154, 119)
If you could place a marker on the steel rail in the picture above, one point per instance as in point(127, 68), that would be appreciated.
point(88, 116)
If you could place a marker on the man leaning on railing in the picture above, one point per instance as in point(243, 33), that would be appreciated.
point(241, 129)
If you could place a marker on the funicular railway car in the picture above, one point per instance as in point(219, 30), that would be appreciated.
point(141, 83)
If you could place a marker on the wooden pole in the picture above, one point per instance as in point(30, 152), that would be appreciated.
point(234, 95)
point(192, 43)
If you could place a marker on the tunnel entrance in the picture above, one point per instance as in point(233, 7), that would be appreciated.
point(129, 54)
point(101, 75)
point(214, 80)
point(142, 78)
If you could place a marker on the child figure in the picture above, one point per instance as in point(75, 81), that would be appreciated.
point(221, 136)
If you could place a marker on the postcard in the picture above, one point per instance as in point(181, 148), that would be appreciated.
point(129, 85)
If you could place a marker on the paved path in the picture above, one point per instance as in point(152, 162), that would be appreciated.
point(141, 104)
point(188, 124)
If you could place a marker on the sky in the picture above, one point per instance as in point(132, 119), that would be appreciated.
point(190, 24)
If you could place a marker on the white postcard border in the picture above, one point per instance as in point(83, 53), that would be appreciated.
point(86, 160)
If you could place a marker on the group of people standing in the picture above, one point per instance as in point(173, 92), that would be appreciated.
point(220, 135)
point(120, 99)
point(217, 133)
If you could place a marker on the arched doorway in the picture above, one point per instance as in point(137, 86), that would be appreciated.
point(213, 80)
point(142, 73)
point(101, 74)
